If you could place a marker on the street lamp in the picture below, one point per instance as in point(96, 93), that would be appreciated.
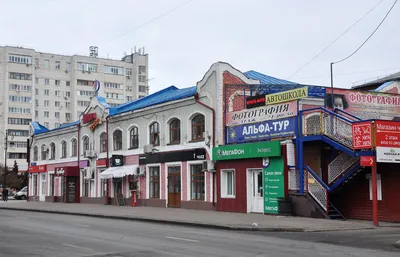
point(5, 157)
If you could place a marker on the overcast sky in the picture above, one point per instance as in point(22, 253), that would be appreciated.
point(272, 37)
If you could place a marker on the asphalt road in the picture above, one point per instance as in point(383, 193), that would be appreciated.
point(39, 234)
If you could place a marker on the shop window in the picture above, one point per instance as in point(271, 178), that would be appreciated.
point(85, 143)
point(228, 183)
point(74, 144)
point(197, 182)
point(154, 173)
point(51, 184)
point(134, 138)
point(44, 152)
point(378, 185)
point(155, 134)
point(117, 140)
point(198, 127)
point(103, 142)
point(63, 149)
point(35, 185)
point(175, 131)
point(35, 153)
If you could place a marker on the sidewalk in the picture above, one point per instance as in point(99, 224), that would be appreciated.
point(210, 219)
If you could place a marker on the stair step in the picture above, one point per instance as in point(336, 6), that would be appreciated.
point(335, 217)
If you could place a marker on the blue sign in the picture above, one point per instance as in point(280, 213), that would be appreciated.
point(262, 130)
point(96, 85)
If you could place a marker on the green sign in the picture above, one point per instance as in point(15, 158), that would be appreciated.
point(274, 184)
point(243, 151)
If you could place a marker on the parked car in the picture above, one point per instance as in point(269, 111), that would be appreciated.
point(21, 195)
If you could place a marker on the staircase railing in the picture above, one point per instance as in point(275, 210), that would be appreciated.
point(317, 188)
point(340, 165)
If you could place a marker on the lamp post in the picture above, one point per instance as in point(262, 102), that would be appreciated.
point(5, 157)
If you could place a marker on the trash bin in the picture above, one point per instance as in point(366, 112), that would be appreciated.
point(284, 207)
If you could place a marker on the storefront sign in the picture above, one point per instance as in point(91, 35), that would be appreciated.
point(244, 151)
point(84, 164)
point(173, 156)
point(96, 122)
point(387, 154)
point(286, 96)
point(87, 117)
point(261, 131)
point(101, 162)
point(37, 169)
point(274, 185)
point(362, 135)
point(117, 160)
point(59, 172)
point(270, 112)
point(255, 101)
point(367, 161)
point(387, 133)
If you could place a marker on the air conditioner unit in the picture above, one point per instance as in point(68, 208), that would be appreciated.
point(142, 171)
point(148, 148)
point(90, 154)
point(209, 166)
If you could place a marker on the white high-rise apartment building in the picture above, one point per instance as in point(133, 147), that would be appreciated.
point(54, 89)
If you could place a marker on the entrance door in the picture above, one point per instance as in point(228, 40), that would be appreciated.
point(42, 195)
point(174, 187)
point(117, 189)
point(71, 189)
point(257, 190)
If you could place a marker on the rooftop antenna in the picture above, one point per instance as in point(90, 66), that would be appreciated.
point(94, 51)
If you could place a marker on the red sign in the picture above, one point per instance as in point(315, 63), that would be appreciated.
point(362, 135)
point(37, 169)
point(88, 117)
point(387, 133)
point(367, 161)
point(95, 124)
point(255, 101)
point(101, 162)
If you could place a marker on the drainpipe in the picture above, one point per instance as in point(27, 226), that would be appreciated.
point(78, 197)
point(108, 160)
point(196, 97)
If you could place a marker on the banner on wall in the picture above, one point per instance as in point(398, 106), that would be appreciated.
point(365, 105)
point(261, 131)
point(286, 96)
point(274, 185)
point(269, 112)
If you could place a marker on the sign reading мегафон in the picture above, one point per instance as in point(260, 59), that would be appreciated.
point(261, 130)
point(244, 151)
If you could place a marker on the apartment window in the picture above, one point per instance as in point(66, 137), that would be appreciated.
point(63, 149)
point(85, 93)
point(128, 72)
point(17, 156)
point(37, 91)
point(18, 133)
point(57, 82)
point(46, 92)
point(46, 64)
point(174, 131)
point(20, 59)
point(67, 116)
point(112, 85)
point(74, 147)
point(46, 114)
point(37, 102)
point(51, 184)
point(117, 140)
point(155, 134)
point(35, 154)
point(228, 183)
point(57, 65)
point(19, 121)
point(103, 142)
point(67, 66)
point(57, 93)
point(129, 98)
point(52, 151)
point(47, 81)
point(83, 103)
point(36, 81)
point(67, 105)
point(36, 114)
point(142, 69)
point(57, 104)
point(134, 138)
point(85, 143)
point(18, 144)
point(142, 89)
point(154, 182)
point(129, 88)
point(20, 76)
point(19, 110)
point(36, 62)
point(46, 102)
point(142, 78)
point(44, 151)
point(198, 127)
point(81, 82)
point(197, 182)
point(87, 67)
point(68, 94)
point(67, 83)
point(57, 115)
point(113, 70)
point(18, 88)
point(46, 124)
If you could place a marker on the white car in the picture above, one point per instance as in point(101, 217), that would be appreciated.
point(21, 195)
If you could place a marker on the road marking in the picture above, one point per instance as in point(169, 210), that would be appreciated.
point(78, 247)
point(80, 225)
point(182, 239)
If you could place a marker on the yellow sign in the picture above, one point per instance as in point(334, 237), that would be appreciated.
point(286, 96)
point(95, 124)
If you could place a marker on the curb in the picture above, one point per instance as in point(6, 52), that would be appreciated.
point(166, 222)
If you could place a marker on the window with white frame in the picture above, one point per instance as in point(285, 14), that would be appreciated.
point(128, 72)
point(228, 183)
point(46, 102)
point(46, 64)
point(20, 59)
point(57, 82)
point(113, 70)
point(197, 182)
point(47, 81)
point(46, 92)
point(87, 67)
point(57, 66)
point(154, 181)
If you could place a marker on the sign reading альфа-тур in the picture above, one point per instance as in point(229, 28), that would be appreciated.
point(244, 151)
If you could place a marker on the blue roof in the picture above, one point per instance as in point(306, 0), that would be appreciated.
point(39, 129)
point(383, 85)
point(168, 94)
point(102, 101)
point(265, 79)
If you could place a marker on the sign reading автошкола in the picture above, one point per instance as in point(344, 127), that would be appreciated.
point(286, 96)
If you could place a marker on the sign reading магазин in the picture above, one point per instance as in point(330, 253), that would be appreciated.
point(261, 130)
point(270, 112)
point(244, 151)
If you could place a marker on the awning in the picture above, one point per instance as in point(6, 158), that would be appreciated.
point(119, 172)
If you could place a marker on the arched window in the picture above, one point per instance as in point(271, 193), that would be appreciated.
point(117, 140)
point(35, 153)
point(52, 151)
point(44, 152)
point(198, 127)
point(175, 131)
point(103, 142)
point(74, 144)
point(85, 143)
point(63, 149)
point(155, 134)
point(134, 138)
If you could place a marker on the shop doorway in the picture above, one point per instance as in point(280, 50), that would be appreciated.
point(42, 195)
point(255, 190)
point(174, 187)
point(117, 183)
point(71, 189)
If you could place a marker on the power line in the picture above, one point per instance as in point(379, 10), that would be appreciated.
point(373, 32)
point(352, 73)
point(334, 41)
point(153, 20)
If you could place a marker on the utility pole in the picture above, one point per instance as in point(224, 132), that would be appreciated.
point(5, 159)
